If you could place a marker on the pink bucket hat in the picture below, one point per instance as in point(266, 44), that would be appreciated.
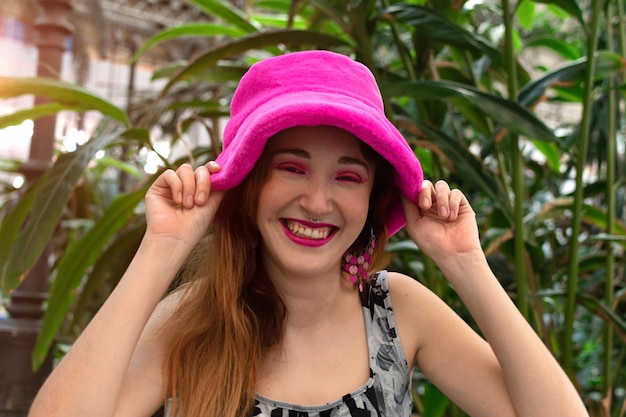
point(313, 88)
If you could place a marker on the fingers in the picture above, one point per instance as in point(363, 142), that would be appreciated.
point(426, 195)
point(187, 177)
point(189, 187)
point(456, 199)
point(203, 184)
point(442, 198)
point(439, 200)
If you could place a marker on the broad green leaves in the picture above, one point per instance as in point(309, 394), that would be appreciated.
point(30, 225)
point(571, 73)
point(436, 28)
point(185, 31)
point(79, 256)
point(63, 94)
point(510, 114)
point(207, 61)
point(442, 73)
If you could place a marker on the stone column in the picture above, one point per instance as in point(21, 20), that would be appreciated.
point(18, 382)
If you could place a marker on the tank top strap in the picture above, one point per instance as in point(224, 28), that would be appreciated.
point(387, 359)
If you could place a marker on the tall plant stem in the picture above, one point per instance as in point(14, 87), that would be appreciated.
point(517, 167)
point(430, 269)
point(609, 284)
point(583, 141)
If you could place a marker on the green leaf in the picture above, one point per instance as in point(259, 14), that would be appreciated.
point(591, 215)
point(108, 269)
point(432, 26)
point(9, 230)
point(569, 6)
point(280, 21)
point(468, 167)
point(561, 47)
point(219, 74)
point(605, 237)
point(509, 114)
point(474, 116)
point(435, 402)
point(557, 12)
point(407, 246)
point(10, 165)
point(605, 312)
point(119, 165)
point(169, 69)
point(199, 105)
point(33, 113)
point(525, 13)
point(518, 45)
point(55, 188)
point(254, 41)
point(606, 64)
point(228, 13)
point(78, 257)
point(598, 217)
point(71, 96)
point(282, 6)
point(188, 30)
point(551, 152)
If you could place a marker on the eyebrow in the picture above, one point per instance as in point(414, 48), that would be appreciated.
point(343, 160)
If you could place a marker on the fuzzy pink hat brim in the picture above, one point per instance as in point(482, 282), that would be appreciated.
point(313, 88)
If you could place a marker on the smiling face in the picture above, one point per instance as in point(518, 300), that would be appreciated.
point(316, 173)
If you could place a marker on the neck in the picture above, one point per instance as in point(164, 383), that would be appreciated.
point(313, 301)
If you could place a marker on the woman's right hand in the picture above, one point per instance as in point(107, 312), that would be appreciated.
point(180, 205)
point(121, 347)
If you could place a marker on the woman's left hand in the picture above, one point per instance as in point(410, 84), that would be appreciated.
point(443, 223)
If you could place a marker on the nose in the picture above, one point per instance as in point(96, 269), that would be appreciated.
point(316, 199)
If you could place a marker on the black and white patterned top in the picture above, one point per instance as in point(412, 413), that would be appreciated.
point(386, 393)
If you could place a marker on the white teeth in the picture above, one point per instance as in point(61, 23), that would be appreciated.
point(300, 230)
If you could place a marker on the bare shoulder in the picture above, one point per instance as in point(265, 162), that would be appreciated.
point(423, 319)
point(412, 304)
point(401, 284)
point(409, 296)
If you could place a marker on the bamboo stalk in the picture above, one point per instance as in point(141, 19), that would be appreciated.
point(613, 110)
point(431, 275)
point(405, 55)
point(517, 167)
point(583, 142)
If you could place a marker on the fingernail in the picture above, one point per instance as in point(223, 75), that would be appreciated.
point(443, 211)
point(189, 200)
point(179, 197)
point(202, 197)
point(425, 201)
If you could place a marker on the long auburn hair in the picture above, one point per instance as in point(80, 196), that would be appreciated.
point(230, 315)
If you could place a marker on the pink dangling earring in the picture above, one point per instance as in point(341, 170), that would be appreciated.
point(357, 263)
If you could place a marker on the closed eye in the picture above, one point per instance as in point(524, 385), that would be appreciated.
point(289, 167)
point(350, 177)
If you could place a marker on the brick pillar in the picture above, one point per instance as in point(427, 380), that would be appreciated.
point(18, 333)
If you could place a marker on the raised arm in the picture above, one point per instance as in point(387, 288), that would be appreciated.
point(514, 374)
point(114, 367)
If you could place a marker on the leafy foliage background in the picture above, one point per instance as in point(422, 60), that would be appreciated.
point(547, 182)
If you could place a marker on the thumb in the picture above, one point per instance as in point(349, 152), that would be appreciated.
point(214, 202)
point(411, 211)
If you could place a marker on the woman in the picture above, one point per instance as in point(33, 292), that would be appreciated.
point(284, 313)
